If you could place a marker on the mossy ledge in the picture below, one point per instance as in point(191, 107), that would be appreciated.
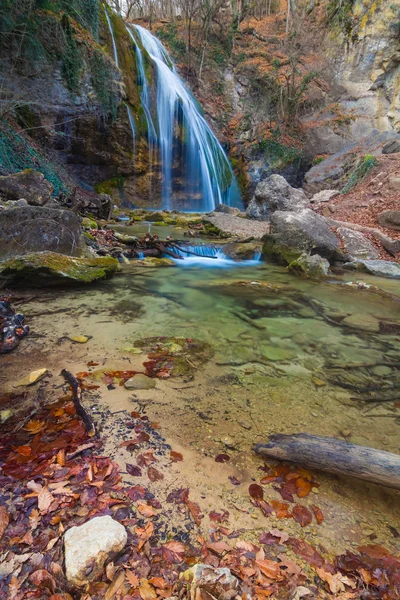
point(51, 268)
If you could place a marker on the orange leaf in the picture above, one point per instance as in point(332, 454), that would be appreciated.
point(146, 510)
point(159, 582)
point(24, 450)
point(133, 580)
point(270, 569)
point(318, 514)
point(4, 520)
point(176, 456)
point(61, 457)
point(303, 487)
point(34, 426)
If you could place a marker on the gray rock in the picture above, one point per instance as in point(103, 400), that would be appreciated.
point(394, 183)
point(293, 233)
point(272, 194)
point(356, 245)
point(88, 547)
point(27, 184)
point(140, 382)
point(226, 226)
point(390, 219)
point(391, 147)
point(313, 266)
point(324, 196)
point(33, 229)
point(242, 251)
point(228, 210)
point(381, 268)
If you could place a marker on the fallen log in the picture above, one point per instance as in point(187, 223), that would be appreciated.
point(334, 456)
point(77, 399)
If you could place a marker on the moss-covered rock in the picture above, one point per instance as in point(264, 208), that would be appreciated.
point(311, 266)
point(153, 261)
point(242, 251)
point(51, 268)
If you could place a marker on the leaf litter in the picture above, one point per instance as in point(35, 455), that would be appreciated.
point(65, 479)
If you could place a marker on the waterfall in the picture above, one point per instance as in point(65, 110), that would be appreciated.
point(207, 178)
point(112, 36)
point(132, 124)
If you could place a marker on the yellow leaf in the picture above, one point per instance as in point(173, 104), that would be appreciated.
point(79, 339)
point(146, 591)
point(33, 377)
point(34, 426)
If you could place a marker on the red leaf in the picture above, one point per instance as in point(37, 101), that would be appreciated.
point(302, 515)
point(256, 491)
point(154, 475)
point(195, 511)
point(222, 458)
point(233, 480)
point(219, 517)
point(306, 551)
point(42, 578)
point(176, 456)
point(4, 520)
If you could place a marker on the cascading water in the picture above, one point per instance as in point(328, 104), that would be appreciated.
point(112, 36)
point(203, 255)
point(183, 136)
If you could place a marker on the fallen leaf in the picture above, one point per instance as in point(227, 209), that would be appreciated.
point(256, 491)
point(79, 339)
point(33, 377)
point(146, 591)
point(222, 458)
point(302, 515)
point(154, 475)
point(195, 511)
point(24, 450)
point(34, 519)
point(43, 579)
point(219, 517)
point(318, 514)
point(34, 426)
point(303, 487)
point(176, 456)
point(133, 580)
point(133, 470)
point(4, 520)
point(336, 581)
point(281, 509)
point(159, 582)
point(145, 510)
point(233, 480)
point(270, 569)
point(45, 498)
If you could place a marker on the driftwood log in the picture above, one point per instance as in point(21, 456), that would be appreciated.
point(335, 456)
point(77, 399)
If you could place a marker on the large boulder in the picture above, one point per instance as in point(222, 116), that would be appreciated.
point(49, 268)
point(381, 268)
point(390, 218)
point(356, 245)
point(28, 184)
point(293, 233)
point(88, 547)
point(272, 194)
point(33, 229)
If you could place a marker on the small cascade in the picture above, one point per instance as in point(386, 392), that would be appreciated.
point(140, 255)
point(182, 134)
point(203, 255)
point(132, 124)
point(112, 36)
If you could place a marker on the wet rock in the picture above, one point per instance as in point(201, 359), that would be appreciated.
point(49, 268)
point(228, 210)
point(324, 196)
point(153, 261)
point(313, 266)
point(245, 251)
point(28, 184)
point(156, 216)
point(390, 218)
point(88, 547)
point(293, 233)
point(213, 582)
point(274, 353)
point(381, 268)
point(35, 229)
point(362, 322)
point(140, 382)
point(356, 245)
point(272, 194)
point(176, 356)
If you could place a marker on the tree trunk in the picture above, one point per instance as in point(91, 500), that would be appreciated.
point(335, 456)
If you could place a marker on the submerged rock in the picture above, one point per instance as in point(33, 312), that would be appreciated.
point(174, 356)
point(293, 233)
point(88, 547)
point(362, 322)
point(242, 251)
point(313, 266)
point(356, 245)
point(153, 261)
point(381, 268)
point(140, 382)
point(35, 229)
point(272, 194)
point(51, 268)
point(29, 184)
